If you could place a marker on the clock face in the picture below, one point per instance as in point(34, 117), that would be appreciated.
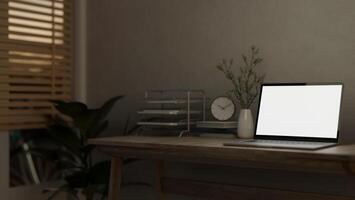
point(222, 108)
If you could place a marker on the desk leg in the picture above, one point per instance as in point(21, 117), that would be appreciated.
point(115, 178)
point(158, 181)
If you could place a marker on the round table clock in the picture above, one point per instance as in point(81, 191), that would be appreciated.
point(223, 108)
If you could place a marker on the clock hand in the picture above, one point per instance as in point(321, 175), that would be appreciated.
point(220, 106)
point(227, 106)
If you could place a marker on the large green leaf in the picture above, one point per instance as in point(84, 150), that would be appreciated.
point(98, 129)
point(90, 121)
point(65, 136)
point(106, 108)
point(61, 158)
point(86, 120)
point(72, 109)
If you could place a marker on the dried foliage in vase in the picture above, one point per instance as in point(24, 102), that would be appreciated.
point(247, 82)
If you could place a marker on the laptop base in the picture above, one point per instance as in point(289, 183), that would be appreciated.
point(282, 144)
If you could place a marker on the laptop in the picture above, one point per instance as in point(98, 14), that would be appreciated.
point(297, 116)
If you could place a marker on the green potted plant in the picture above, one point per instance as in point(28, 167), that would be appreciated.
point(245, 89)
point(70, 131)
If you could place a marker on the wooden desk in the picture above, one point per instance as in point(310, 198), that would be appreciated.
point(339, 160)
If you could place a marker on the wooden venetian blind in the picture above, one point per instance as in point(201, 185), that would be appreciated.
point(35, 60)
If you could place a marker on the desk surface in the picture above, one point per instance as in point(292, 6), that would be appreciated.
point(211, 150)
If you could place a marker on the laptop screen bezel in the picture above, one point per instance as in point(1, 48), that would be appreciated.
point(316, 139)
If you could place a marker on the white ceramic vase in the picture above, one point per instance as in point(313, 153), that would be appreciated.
point(245, 124)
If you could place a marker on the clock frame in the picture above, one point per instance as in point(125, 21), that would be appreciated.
point(222, 108)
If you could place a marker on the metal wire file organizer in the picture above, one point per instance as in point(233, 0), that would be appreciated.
point(173, 109)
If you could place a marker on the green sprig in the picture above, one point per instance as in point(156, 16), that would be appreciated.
point(245, 84)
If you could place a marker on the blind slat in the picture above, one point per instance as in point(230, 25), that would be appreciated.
point(23, 119)
point(24, 104)
point(67, 3)
point(6, 16)
point(23, 96)
point(23, 55)
point(35, 81)
point(26, 112)
point(6, 127)
point(33, 67)
point(36, 9)
point(35, 44)
point(33, 47)
point(6, 24)
point(37, 74)
point(4, 7)
point(39, 34)
point(34, 89)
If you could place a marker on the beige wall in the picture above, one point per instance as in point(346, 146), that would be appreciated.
point(135, 45)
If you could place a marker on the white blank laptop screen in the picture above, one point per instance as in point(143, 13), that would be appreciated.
point(299, 111)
